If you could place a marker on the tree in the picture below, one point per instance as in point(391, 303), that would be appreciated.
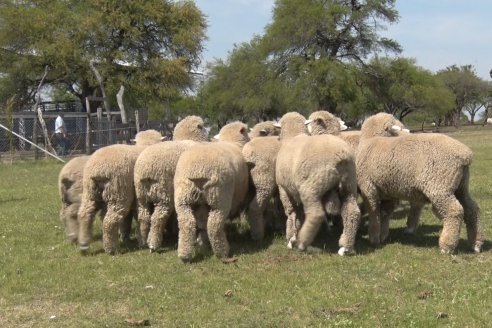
point(148, 46)
point(469, 90)
point(328, 32)
point(243, 87)
point(400, 87)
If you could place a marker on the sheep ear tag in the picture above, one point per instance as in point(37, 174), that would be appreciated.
point(217, 136)
point(343, 127)
point(277, 125)
point(306, 122)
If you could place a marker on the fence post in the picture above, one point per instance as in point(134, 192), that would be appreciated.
point(35, 136)
point(137, 121)
point(88, 127)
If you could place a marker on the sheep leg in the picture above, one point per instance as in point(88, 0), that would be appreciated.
point(86, 215)
point(255, 216)
point(216, 232)
point(387, 210)
point(374, 228)
point(413, 218)
point(201, 214)
point(115, 217)
point(68, 216)
point(471, 217)
point(350, 213)
point(290, 212)
point(158, 221)
point(144, 222)
point(451, 212)
point(315, 215)
point(125, 227)
point(187, 231)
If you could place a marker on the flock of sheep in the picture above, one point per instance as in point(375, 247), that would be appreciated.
point(315, 169)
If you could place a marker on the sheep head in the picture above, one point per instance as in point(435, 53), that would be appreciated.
point(191, 128)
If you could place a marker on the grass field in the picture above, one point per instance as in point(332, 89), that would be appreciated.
point(46, 282)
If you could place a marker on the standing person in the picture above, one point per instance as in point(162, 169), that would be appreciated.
point(61, 135)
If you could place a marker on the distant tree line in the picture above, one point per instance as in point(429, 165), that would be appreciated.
point(315, 54)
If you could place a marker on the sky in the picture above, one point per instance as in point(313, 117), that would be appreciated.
point(437, 33)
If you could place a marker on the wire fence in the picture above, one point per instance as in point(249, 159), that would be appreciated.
point(85, 133)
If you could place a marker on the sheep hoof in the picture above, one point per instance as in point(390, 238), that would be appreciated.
point(185, 259)
point(292, 242)
point(409, 231)
point(445, 251)
point(477, 248)
point(302, 247)
point(344, 251)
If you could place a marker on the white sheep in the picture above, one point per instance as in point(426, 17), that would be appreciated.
point(317, 174)
point(108, 186)
point(70, 189)
point(261, 156)
point(419, 168)
point(153, 178)
point(210, 185)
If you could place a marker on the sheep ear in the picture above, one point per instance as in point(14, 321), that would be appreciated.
point(277, 125)
point(163, 138)
point(395, 128)
point(343, 127)
point(306, 122)
point(217, 136)
point(133, 141)
point(250, 129)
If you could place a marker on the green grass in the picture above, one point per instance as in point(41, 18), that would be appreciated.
point(46, 282)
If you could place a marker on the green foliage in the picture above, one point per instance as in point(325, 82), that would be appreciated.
point(471, 92)
point(46, 282)
point(148, 46)
point(400, 87)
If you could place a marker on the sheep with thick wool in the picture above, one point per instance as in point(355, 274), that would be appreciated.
point(323, 122)
point(264, 129)
point(70, 189)
point(210, 185)
point(108, 186)
point(261, 155)
point(153, 178)
point(315, 173)
point(419, 168)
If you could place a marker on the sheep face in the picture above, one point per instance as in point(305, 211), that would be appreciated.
point(382, 125)
point(191, 128)
point(291, 125)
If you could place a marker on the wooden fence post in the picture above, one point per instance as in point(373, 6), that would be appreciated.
point(88, 127)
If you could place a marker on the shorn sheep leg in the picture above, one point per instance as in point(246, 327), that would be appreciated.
point(451, 213)
point(350, 213)
point(86, 214)
point(413, 218)
point(159, 218)
point(290, 212)
point(114, 219)
point(187, 232)
point(216, 232)
point(471, 215)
